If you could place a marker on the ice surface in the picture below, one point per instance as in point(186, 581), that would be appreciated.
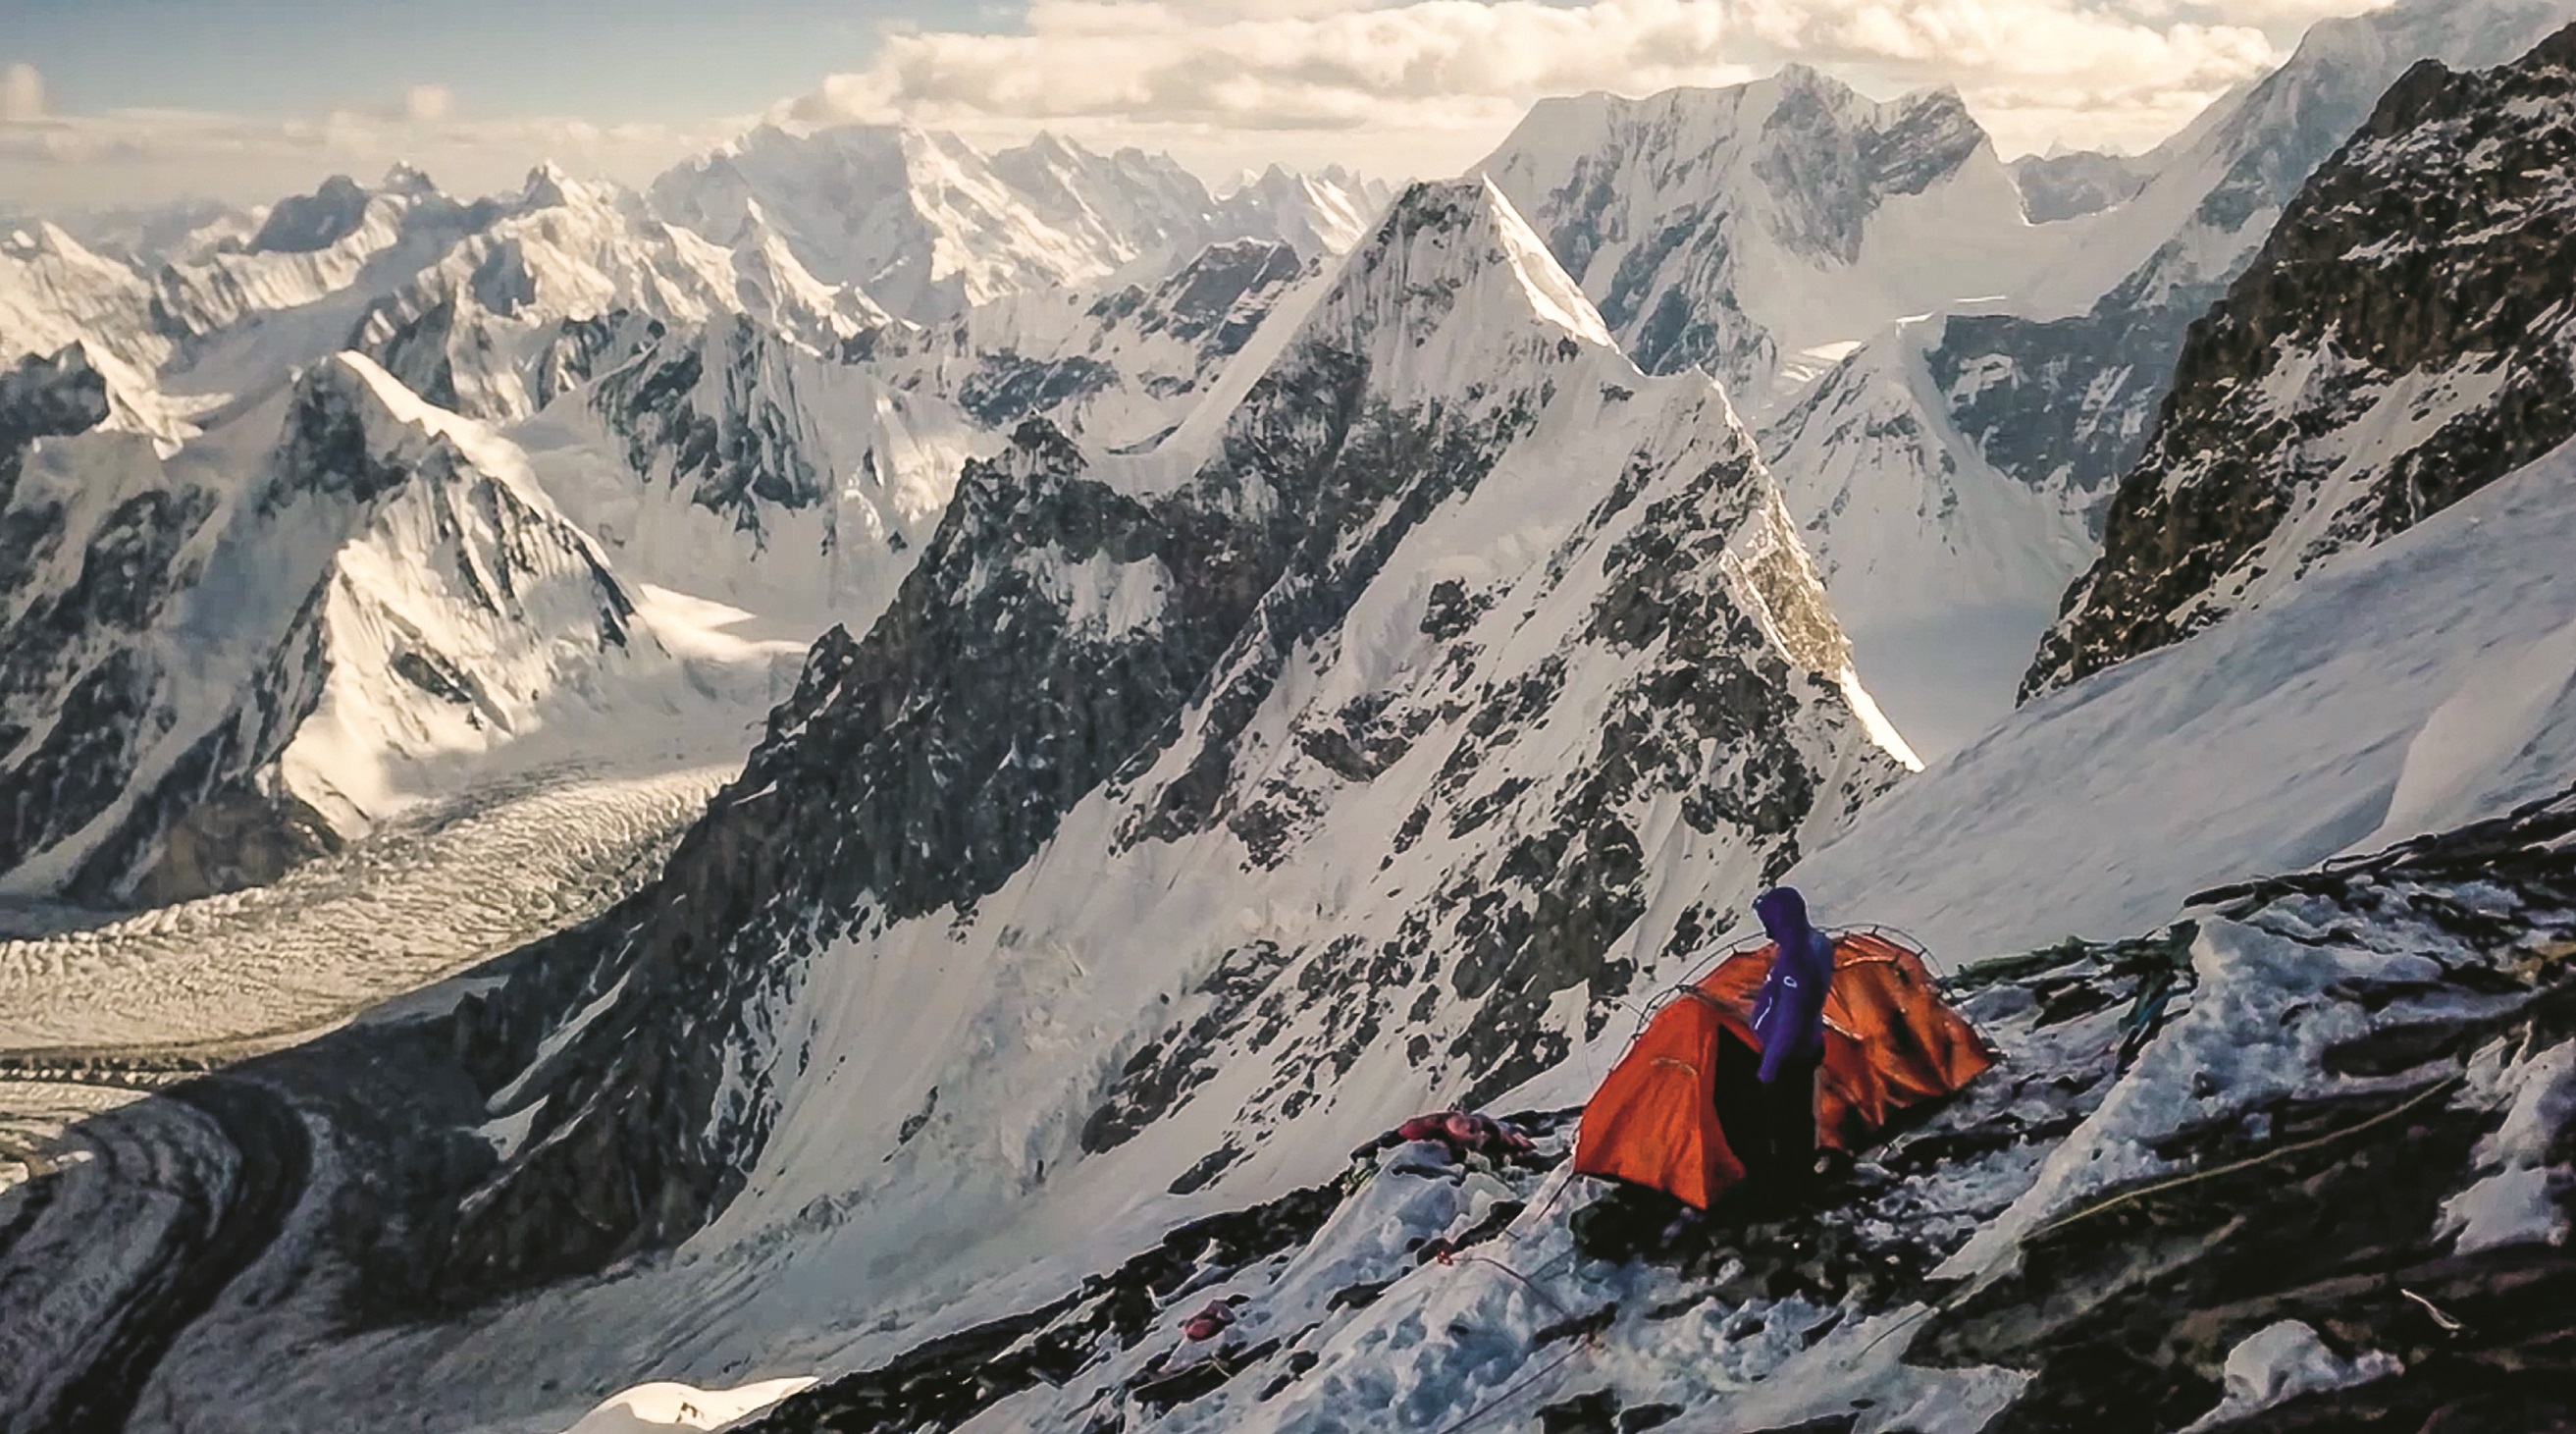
point(650, 1408)
point(2280, 1362)
point(2518, 1198)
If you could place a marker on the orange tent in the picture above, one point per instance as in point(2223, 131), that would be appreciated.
point(1890, 1042)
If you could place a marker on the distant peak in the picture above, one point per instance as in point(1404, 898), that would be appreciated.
point(1456, 234)
point(407, 180)
point(547, 186)
point(1807, 79)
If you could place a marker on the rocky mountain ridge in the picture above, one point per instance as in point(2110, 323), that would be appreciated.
point(2396, 344)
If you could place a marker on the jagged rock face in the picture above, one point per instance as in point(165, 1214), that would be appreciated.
point(737, 449)
point(1243, 666)
point(77, 685)
point(2398, 344)
point(43, 397)
point(303, 223)
point(2056, 187)
point(1732, 229)
point(2066, 405)
point(199, 657)
point(727, 460)
point(2063, 405)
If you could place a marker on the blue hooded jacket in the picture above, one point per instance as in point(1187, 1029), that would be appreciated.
point(1789, 1014)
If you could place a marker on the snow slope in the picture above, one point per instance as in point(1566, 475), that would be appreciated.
point(2273, 740)
point(1944, 570)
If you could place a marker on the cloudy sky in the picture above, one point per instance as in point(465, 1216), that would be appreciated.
point(107, 101)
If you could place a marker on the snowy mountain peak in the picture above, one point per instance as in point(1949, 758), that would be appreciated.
point(42, 239)
point(1738, 229)
point(549, 186)
point(55, 292)
point(309, 222)
point(929, 226)
point(408, 179)
point(1451, 270)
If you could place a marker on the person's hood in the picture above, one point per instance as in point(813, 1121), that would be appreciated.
point(1784, 916)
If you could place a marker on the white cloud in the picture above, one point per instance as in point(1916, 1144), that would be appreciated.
point(22, 94)
point(1394, 87)
point(428, 104)
point(140, 156)
point(1447, 76)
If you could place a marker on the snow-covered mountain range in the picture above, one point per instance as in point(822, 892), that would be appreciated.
point(930, 226)
point(714, 428)
point(1289, 659)
point(227, 660)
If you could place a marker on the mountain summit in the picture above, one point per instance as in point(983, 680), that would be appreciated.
point(1738, 229)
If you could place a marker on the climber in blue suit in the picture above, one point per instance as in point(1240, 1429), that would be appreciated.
point(1766, 1099)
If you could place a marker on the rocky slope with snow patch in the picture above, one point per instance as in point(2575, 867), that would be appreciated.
point(2401, 341)
point(2072, 184)
point(46, 396)
point(2297, 1160)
